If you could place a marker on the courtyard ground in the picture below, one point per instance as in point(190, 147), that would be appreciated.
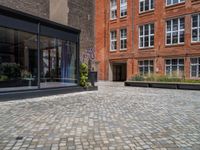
point(115, 117)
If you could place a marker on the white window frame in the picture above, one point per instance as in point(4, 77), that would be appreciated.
point(195, 28)
point(113, 8)
point(172, 3)
point(171, 31)
point(197, 70)
point(124, 38)
point(171, 65)
point(149, 35)
point(143, 67)
point(123, 7)
point(144, 6)
point(113, 40)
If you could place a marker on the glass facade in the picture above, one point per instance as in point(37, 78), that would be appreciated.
point(37, 56)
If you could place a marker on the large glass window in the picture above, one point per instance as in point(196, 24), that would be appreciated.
point(172, 2)
point(196, 28)
point(18, 60)
point(58, 62)
point(146, 67)
point(146, 5)
point(123, 8)
point(174, 67)
point(146, 36)
point(123, 39)
point(175, 31)
point(195, 67)
point(113, 9)
point(113, 40)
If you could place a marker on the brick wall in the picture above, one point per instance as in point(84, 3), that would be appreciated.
point(132, 22)
point(81, 16)
point(35, 7)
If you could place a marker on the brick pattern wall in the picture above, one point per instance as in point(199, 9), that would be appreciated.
point(134, 19)
point(81, 16)
point(35, 7)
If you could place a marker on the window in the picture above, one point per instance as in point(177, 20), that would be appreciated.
point(113, 40)
point(172, 2)
point(196, 28)
point(123, 39)
point(146, 67)
point(123, 8)
point(174, 67)
point(146, 5)
point(113, 9)
point(175, 31)
point(146, 36)
point(195, 67)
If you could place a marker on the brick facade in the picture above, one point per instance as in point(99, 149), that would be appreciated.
point(35, 7)
point(132, 21)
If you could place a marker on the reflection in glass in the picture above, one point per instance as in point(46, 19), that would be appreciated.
point(18, 60)
point(58, 65)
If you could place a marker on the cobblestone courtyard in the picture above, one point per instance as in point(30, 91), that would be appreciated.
point(115, 117)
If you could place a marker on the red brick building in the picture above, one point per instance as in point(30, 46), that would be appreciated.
point(147, 36)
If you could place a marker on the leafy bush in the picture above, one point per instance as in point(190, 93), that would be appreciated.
point(3, 78)
point(138, 78)
point(84, 75)
point(157, 78)
point(11, 70)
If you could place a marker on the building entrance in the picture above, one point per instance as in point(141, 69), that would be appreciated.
point(119, 72)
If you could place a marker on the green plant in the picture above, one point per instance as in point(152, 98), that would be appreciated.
point(11, 70)
point(84, 75)
point(26, 74)
point(138, 78)
point(3, 78)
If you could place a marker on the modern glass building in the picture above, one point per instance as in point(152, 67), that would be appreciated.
point(36, 53)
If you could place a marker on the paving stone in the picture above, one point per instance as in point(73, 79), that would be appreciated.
point(115, 117)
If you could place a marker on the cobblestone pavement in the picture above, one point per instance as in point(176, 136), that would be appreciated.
point(115, 117)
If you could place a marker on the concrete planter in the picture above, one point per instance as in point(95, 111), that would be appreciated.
point(166, 85)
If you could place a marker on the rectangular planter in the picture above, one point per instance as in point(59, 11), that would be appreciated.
point(137, 84)
point(166, 85)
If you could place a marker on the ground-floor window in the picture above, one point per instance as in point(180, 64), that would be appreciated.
point(146, 67)
point(174, 67)
point(19, 61)
point(195, 67)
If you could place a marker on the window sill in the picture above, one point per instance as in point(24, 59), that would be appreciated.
point(175, 6)
point(113, 20)
point(122, 50)
point(175, 45)
point(195, 43)
point(124, 18)
point(146, 13)
point(147, 49)
point(112, 51)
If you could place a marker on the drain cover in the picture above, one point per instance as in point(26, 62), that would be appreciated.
point(19, 138)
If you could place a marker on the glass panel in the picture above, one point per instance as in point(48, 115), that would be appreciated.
point(194, 71)
point(182, 37)
point(182, 23)
point(168, 38)
point(194, 60)
point(194, 35)
point(194, 21)
point(18, 60)
point(175, 37)
point(58, 65)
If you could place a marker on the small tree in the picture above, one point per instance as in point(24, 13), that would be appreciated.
point(84, 75)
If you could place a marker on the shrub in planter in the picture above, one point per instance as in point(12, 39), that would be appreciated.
point(138, 78)
point(11, 70)
point(84, 75)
